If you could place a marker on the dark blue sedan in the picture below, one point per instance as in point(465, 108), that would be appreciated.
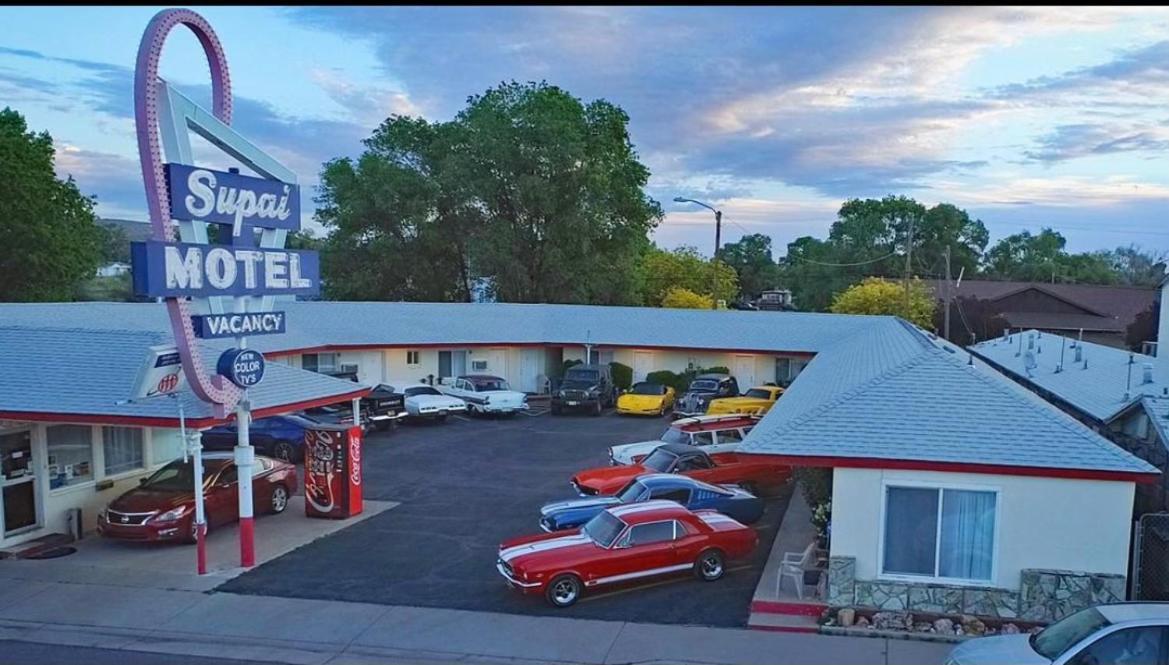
point(730, 500)
point(281, 437)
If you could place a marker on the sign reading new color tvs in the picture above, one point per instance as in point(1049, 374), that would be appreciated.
point(243, 367)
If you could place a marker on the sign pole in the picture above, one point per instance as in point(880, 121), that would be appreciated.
point(244, 458)
point(196, 450)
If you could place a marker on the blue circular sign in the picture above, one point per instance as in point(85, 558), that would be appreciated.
point(243, 367)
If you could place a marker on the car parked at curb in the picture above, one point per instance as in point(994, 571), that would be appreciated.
point(423, 401)
point(485, 394)
point(586, 387)
point(714, 434)
point(758, 474)
point(162, 507)
point(1117, 633)
point(702, 390)
point(645, 398)
point(694, 494)
point(624, 543)
point(756, 401)
point(279, 437)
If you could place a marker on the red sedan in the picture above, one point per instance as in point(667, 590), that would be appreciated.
point(162, 508)
point(622, 544)
point(758, 474)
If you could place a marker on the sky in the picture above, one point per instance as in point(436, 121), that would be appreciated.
point(1025, 117)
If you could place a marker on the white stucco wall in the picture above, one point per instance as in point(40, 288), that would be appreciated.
point(1041, 521)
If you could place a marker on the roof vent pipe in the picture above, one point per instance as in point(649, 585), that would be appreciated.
point(1147, 376)
point(1128, 379)
point(1030, 341)
point(1079, 353)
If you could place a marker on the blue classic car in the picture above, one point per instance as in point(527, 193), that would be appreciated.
point(281, 437)
point(694, 494)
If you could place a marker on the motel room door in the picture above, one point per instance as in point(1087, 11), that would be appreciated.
point(530, 360)
point(642, 364)
point(744, 372)
point(18, 485)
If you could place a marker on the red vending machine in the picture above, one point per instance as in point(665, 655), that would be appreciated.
point(332, 471)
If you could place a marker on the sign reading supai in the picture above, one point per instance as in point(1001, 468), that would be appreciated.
point(203, 195)
point(214, 326)
point(178, 270)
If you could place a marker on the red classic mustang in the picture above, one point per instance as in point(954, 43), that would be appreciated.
point(754, 473)
point(621, 544)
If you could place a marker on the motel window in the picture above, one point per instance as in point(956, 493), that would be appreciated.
point(324, 363)
point(597, 357)
point(787, 369)
point(70, 450)
point(413, 358)
point(936, 532)
point(122, 448)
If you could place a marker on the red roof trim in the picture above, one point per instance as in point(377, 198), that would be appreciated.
point(957, 467)
point(484, 345)
point(153, 421)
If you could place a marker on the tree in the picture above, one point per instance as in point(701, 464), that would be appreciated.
point(879, 296)
point(50, 237)
point(684, 268)
point(680, 298)
point(1042, 258)
point(113, 245)
point(1137, 267)
point(1144, 328)
point(751, 260)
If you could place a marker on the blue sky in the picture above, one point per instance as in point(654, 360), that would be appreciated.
point(1025, 117)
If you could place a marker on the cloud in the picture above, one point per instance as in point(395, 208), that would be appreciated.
point(1084, 140)
point(114, 180)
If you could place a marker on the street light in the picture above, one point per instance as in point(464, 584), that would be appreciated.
point(718, 229)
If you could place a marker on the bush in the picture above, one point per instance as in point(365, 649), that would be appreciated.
point(816, 483)
point(712, 370)
point(667, 378)
point(566, 364)
point(679, 298)
point(622, 375)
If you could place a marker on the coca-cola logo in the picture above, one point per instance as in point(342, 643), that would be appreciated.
point(355, 457)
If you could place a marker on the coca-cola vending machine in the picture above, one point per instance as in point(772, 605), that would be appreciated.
point(332, 471)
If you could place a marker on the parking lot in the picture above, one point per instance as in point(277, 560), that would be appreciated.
point(463, 487)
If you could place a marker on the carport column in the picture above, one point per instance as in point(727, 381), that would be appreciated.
point(357, 411)
point(244, 458)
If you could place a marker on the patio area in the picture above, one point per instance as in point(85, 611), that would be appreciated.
point(792, 588)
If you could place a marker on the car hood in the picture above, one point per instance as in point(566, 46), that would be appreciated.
point(547, 550)
point(625, 452)
point(558, 507)
point(998, 650)
point(145, 500)
point(630, 398)
point(608, 479)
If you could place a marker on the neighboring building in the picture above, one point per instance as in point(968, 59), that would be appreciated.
point(775, 300)
point(114, 269)
point(1102, 313)
point(65, 442)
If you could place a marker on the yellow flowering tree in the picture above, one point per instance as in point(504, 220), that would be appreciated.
point(680, 298)
point(875, 295)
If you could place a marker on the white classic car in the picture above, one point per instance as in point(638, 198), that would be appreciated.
point(715, 434)
point(485, 394)
point(423, 401)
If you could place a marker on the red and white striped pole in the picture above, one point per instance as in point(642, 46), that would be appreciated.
point(244, 459)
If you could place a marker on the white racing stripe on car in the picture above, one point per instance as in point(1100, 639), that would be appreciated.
point(640, 573)
point(719, 519)
point(543, 546)
point(641, 507)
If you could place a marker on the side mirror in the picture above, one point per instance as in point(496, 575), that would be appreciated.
point(141, 481)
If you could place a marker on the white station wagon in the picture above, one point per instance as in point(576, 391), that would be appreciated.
point(423, 401)
point(485, 394)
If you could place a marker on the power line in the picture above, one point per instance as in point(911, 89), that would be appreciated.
point(841, 265)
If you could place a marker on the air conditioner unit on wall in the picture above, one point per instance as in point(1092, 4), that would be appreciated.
point(479, 365)
point(349, 367)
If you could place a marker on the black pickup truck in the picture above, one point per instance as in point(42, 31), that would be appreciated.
point(379, 409)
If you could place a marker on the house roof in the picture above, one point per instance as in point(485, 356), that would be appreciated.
point(877, 391)
point(48, 374)
point(1097, 388)
point(1105, 308)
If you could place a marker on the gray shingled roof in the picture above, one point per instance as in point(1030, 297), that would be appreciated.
point(49, 370)
point(877, 387)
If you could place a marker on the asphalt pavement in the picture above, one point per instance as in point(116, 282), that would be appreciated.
point(466, 485)
point(29, 653)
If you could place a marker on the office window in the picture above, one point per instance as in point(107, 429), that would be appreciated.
point(413, 358)
point(70, 450)
point(937, 532)
point(123, 449)
point(325, 363)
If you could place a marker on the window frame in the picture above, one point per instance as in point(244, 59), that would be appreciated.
point(628, 536)
point(939, 488)
point(144, 444)
point(417, 358)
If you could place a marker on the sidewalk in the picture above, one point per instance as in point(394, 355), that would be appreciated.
point(312, 632)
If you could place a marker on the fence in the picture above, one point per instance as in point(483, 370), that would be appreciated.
point(1150, 565)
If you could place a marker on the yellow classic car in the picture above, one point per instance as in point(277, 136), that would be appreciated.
point(755, 401)
point(645, 398)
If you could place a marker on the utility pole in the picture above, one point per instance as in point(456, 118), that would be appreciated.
point(908, 264)
point(946, 297)
point(718, 231)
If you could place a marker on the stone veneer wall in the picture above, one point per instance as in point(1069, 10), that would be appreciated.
point(1043, 596)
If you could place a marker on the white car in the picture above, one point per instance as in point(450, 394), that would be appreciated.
point(423, 401)
point(485, 394)
point(715, 434)
point(1120, 633)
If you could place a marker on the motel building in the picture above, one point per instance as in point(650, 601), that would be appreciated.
point(955, 490)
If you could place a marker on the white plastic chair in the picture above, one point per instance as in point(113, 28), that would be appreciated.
point(793, 566)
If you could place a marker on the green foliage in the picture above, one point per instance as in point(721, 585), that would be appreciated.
point(751, 260)
point(878, 296)
point(51, 243)
point(113, 245)
point(681, 380)
point(1042, 258)
point(117, 288)
point(622, 375)
point(815, 482)
point(568, 363)
point(679, 298)
point(529, 191)
point(684, 268)
point(1144, 327)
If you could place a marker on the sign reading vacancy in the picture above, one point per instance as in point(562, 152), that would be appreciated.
point(215, 326)
point(178, 270)
point(203, 195)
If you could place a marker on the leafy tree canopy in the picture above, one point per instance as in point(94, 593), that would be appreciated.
point(684, 268)
point(751, 260)
point(879, 296)
point(680, 298)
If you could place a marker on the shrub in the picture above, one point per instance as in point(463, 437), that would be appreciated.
point(566, 364)
point(679, 298)
point(622, 375)
point(816, 483)
point(667, 378)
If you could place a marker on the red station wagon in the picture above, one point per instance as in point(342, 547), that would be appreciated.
point(162, 508)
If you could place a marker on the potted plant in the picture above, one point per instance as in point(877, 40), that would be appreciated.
point(822, 520)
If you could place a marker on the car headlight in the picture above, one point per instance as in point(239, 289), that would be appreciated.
point(486, 400)
point(103, 514)
point(171, 515)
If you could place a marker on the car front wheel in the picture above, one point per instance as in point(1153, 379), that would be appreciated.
point(283, 451)
point(279, 500)
point(563, 590)
point(709, 566)
point(600, 407)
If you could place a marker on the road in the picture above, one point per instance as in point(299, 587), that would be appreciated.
point(28, 653)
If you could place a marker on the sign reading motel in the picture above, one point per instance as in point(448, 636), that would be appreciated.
point(178, 270)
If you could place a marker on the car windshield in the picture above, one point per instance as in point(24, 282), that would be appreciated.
point(705, 385)
point(758, 393)
point(178, 476)
point(631, 493)
point(421, 390)
point(582, 376)
point(484, 385)
point(659, 460)
point(604, 528)
point(674, 435)
point(648, 389)
point(1053, 641)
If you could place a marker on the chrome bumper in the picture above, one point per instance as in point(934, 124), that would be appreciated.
point(513, 581)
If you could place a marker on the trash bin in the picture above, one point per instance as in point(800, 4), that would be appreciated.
point(73, 524)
